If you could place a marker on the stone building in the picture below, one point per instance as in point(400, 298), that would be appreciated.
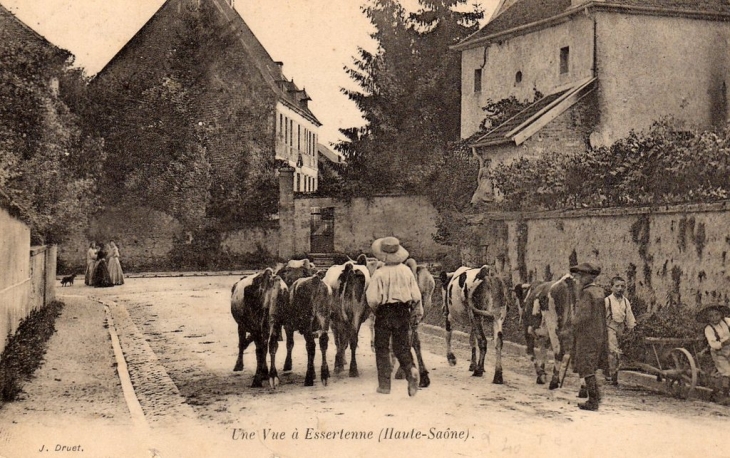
point(246, 92)
point(605, 67)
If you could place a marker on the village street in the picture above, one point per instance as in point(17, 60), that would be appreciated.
point(180, 343)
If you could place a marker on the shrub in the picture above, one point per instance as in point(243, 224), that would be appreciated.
point(24, 351)
point(632, 171)
point(673, 321)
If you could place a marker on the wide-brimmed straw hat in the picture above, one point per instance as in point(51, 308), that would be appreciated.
point(389, 250)
point(590, 268)
point(703, 315)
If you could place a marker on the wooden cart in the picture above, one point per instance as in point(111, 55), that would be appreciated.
point(674, 361)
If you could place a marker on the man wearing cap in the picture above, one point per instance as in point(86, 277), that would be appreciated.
point(589, 329)
point(393, 294)
point(717, 333)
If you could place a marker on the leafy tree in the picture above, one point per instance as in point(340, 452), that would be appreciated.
point(42, 148)
point(408, 94)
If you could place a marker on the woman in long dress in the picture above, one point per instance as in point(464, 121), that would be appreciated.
point(100, 277)
point(90, 262)
point(115, 268)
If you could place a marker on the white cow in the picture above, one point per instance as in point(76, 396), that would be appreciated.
point(471, 296)
point(349, 307)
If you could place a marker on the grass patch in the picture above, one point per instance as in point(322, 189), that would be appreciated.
point(25, 350)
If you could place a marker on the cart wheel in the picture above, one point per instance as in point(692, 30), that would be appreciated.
point(681, 363)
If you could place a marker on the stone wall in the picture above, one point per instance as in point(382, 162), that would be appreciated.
point(251, 240)
point(14, 272)
point(359, 221)
point(27, 276)
point(673, 254)
point(145, 238)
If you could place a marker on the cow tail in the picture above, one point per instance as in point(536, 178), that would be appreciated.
point(479, 311)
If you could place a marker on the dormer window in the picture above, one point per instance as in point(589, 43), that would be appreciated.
point(564, 60)
point(478, 80)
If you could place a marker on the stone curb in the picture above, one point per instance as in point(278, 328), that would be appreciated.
point(180, 274)
point(155, 391)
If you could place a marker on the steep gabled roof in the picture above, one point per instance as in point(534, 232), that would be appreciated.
point(521, 13)
point(7, 15)
point(525, 13)
point(271, 70)
point(287, 92)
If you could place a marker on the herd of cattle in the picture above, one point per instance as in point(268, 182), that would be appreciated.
point(298, 297)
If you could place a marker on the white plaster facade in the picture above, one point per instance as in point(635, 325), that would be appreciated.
point(649, 63)
point(296, 143)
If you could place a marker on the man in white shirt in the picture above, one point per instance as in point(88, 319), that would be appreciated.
point(619, 319)
point(393, 294)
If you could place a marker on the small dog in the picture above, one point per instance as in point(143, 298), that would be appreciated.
point(68, 281)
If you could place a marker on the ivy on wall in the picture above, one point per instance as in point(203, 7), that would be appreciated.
point(664, 165)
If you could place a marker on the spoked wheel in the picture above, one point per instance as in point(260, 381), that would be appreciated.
point(681, 373)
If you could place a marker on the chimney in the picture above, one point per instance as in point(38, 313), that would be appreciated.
point(280, 66)
point(286, 212)
point(304, 98)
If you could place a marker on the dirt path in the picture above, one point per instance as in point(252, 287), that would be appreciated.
point(180, 344)
point(189, 328)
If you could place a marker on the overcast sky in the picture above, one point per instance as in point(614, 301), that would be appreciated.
point(314, 39)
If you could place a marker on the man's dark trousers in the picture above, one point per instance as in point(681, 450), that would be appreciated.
point(392, 320)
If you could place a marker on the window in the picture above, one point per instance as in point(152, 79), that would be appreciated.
point(291, 132)
point(564, 60)
point(299, 138)
point(299, 180)
point(286, 129)
point(281, 125)
point(518, 77)
point(478, 80)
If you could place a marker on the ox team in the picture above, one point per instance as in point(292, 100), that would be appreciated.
point(298, 297)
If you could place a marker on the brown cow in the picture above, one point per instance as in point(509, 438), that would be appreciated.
point(256, 302)
point(546, 312)
point(308, 312)
point(291, 272)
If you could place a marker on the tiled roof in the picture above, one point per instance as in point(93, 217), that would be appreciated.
point(525, 12)
point(498, 135)
point(534, 117)
point(328, 154)
point(6, 14)
point(271, 69)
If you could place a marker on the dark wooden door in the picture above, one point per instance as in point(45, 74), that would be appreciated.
point(322, 238)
